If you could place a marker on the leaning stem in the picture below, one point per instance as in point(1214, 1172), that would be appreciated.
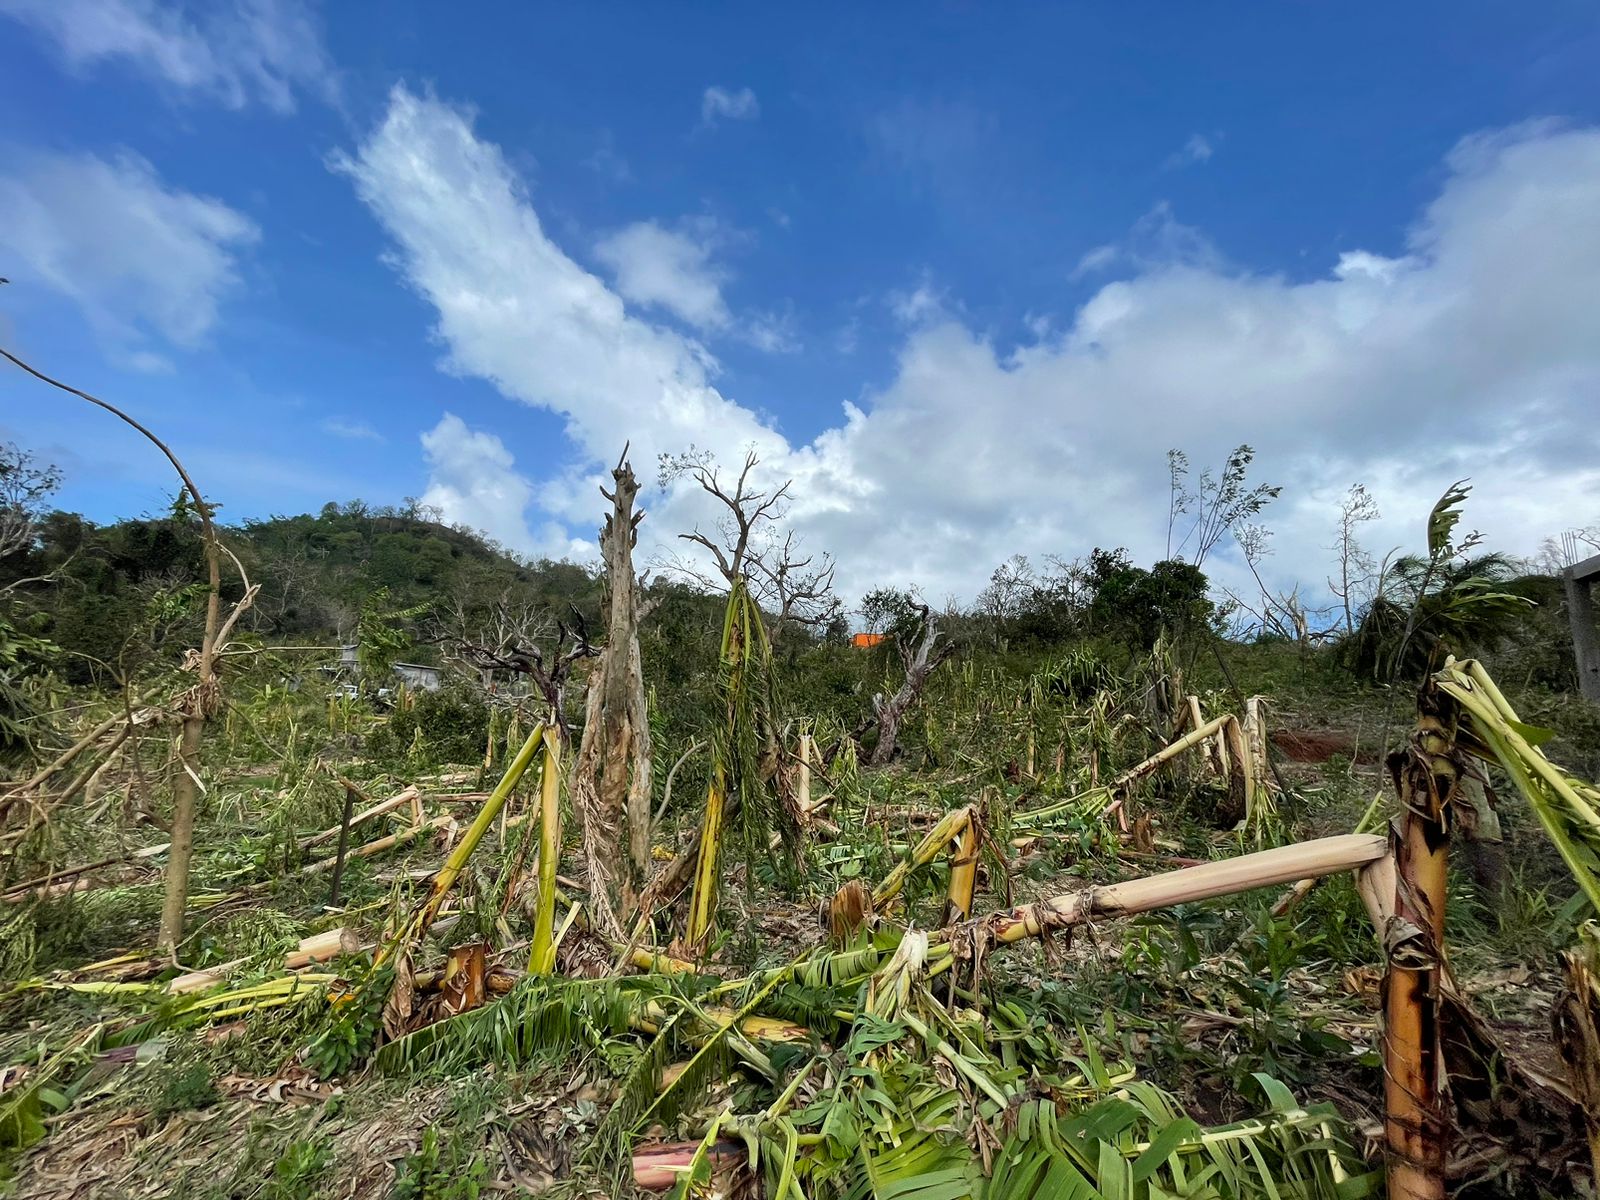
point(542, 960)
point(453, 865)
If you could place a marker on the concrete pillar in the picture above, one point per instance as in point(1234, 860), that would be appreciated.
point(1585, 640)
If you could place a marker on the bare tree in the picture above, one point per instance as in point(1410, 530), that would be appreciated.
point(1282, 614)
point(1009, 586)
point(921, 655)
point(1558, 553)
point(479, 639)
point(1357, 569)
point(611, 775)
point(25, 485)
point(793, 588)
point(548, 674)
point(790, 585)
point(201, 701)
point(1219, 502)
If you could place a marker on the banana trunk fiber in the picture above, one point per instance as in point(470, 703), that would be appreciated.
point(1577, 1029)
point(1241, 780)
point(703, 900)
point(542, 960)
point(1416, 1124)
point(1264, 868)
point(963, 872)
point(802, 787)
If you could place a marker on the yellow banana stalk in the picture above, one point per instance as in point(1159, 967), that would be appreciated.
point(425, 912)
point(542, 960)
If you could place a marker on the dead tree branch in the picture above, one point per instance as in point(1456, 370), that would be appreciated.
point(921, 656)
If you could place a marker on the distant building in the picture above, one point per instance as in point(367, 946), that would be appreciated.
point(866, 641)
point(419, 676)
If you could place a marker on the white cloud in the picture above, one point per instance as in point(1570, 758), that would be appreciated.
point(1198, 149)
point(239, 51)
point(138, 255)
point(516, 310)
point(1158, 241)
point(668, 269)
point(1097, 259)
point(720, 104)
point(473, 480)
point(920, 304)
point(355, 431)
point(147, 362)
point(773, 333)
point(1475, 352)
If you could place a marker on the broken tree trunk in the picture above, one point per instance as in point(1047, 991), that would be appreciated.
point(611, 778)
point(920, 661)
point(1416, 1123)
point(201, 701)
point(1119, 786)
point(422, 916)
point(381, 846)
point(542, 959)
point(1576, 1021)
point(1264, 868)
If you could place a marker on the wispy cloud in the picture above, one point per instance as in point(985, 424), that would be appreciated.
point(237, 51)
point(773, 332)
point(355, 431)
point(1098, 259)
point(139, 256)
point(1157, 241)
point(607, 163)
point(719, 104)
point(1198, 149)
point(919, 304)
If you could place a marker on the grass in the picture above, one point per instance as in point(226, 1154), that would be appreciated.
point(1203, 997)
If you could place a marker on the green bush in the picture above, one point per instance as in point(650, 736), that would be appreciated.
point(447, 726)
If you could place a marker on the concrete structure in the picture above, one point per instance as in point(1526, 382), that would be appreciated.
point(1580, 580)
point(416, 676)
point(419, 676)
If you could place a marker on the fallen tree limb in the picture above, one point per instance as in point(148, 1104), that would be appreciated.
point(320, 947)
point(20, 891)
point(1264, 868)
point(381, 845)
point(407, 796)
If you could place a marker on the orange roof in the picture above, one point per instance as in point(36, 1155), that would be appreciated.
point(866, 641)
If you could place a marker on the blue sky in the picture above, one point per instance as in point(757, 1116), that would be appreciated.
point(963, 272)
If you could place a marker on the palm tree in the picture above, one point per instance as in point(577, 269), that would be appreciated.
point(1449, 601)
